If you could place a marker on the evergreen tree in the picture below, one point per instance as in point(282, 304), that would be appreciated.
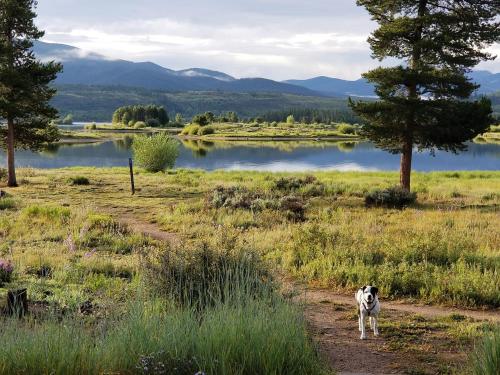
point(423, 102)
point(24, 84)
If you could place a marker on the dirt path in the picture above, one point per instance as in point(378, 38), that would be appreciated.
point(148, 229)
point(315, 296)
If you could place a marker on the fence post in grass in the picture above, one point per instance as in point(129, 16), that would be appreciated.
point(131, 166)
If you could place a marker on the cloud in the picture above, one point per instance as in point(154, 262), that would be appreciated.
point(278, 39)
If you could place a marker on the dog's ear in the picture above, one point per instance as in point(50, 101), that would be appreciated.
point(363, 288)
point(375, 290)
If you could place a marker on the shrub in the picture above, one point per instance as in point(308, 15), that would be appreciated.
point(191, 130)
point(7, 203)
point(394, 197)
point(131, 123)
point(155, 153)
point(207, 273)
point(346, 129)
point(6, 270)
point(294, 207)
point(153, 123)
point(78, 180)
point(290, 120)
point(293, 183)
point(231, 197)
point(201, 120)
point(241, 198)
point(3, 174)
point(92, 126)
point(206, 130)
point(139, 125)
point(486, 358)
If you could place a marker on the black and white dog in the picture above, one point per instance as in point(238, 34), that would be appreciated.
point(369, 306)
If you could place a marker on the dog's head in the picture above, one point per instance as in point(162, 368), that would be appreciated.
point(369, 293)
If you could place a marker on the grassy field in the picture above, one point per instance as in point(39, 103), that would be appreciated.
point(82, 264)
point(268, 130)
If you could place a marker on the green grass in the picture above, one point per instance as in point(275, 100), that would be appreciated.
point(486, 358)
point(255, 338)
point(271, 130)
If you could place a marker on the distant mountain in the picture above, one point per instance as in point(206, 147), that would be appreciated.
point(336, 87)
point(83, 68)
point(490, 83)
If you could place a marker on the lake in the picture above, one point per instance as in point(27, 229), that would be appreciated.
point(264, 156)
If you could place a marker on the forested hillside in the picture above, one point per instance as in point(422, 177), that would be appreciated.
point(97, 103)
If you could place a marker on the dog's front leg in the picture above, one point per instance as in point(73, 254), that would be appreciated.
point(362, 322)
point(375, 325)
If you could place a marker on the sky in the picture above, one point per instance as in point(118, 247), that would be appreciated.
point(276, 39)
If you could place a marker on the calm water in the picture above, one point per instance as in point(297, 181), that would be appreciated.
point(265, 156)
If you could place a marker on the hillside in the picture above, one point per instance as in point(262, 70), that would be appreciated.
point(97, 103)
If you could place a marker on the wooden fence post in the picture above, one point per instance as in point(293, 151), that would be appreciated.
point(132, 184)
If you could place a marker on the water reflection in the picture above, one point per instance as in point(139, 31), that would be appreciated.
point(268, 156)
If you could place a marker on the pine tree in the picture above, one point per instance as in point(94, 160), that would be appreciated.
point(24, 83)
point(424, 101)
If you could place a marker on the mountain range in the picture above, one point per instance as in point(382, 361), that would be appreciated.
point(87, 68)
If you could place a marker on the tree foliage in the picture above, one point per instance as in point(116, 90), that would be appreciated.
point(142, 113)
point(423, 102)
point(24, 83)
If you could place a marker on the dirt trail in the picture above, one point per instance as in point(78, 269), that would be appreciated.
point(317, 296)
point(332, 322)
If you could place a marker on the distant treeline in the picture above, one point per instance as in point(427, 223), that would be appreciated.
point(97, 103)
point(310, 115)
point(149, 114)
point(495, 101)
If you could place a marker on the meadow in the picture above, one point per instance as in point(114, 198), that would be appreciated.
point(108, 296)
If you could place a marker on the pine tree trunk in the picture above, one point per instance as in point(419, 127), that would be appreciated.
point(405, 168)
point(12, 182)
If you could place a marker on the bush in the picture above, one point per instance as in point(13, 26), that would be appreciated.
point(78, 180)
point(7, 203)
point(153, 123)
point(294, 207)
point(208, 273)
point(155, 153)
point(290, 120)
point(206, 130)
point(139, 125)
point(191, 130)
point(201, 120)
point(92, 126)
point(346, 129)
point(6, 270)
point(131, 123)
point(486, 358)
point(293, 183)
point(241, 198)
point(394, 197)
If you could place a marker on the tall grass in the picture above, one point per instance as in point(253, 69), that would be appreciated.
point(486, 358)
point(254, 338)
